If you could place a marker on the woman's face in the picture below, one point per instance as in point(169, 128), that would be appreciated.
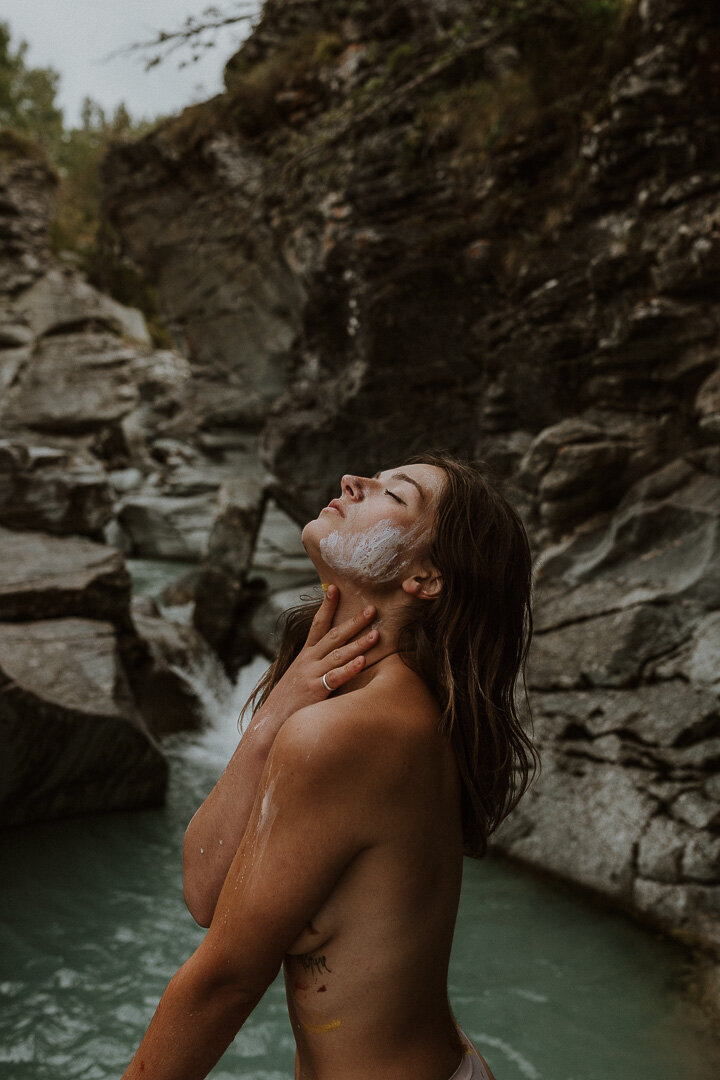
point(378, 526)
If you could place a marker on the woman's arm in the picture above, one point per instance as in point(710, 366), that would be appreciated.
point(316, 809)
point(216, 830)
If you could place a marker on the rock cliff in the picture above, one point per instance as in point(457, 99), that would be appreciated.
point(85, 679)
point(492, 228)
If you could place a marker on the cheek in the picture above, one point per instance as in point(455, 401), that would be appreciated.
point(377, 554)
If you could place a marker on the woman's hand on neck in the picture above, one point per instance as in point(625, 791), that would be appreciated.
point(390, 607)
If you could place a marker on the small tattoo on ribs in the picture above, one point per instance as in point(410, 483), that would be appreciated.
point(314, 964)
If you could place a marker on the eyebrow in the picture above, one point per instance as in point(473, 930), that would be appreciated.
point(407, 479)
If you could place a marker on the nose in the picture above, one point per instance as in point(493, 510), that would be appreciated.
point(352, 487)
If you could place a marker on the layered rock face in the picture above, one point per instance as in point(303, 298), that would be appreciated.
point(84, 680)
point(482, 233)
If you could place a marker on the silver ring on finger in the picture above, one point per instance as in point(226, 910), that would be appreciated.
point(325, 682)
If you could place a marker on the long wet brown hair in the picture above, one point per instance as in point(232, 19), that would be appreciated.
point(469, 645)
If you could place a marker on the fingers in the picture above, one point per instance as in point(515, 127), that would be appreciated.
point(336, 637)
point(342, 655)
point(340, 675)
point(324, 616)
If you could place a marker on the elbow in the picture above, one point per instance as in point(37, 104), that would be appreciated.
point(196, 893)
point(201, 911)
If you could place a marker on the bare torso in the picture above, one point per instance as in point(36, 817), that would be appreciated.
point(366, 980)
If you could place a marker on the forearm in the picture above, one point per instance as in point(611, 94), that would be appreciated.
point(216, 830)
point(193, 1025)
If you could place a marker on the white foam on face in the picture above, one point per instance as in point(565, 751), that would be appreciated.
point(375, 554)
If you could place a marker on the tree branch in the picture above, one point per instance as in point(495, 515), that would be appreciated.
point(190, 33)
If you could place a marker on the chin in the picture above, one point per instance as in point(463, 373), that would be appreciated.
point(312, 534)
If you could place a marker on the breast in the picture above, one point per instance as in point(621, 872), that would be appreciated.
point(311, 938)
point(339, 910)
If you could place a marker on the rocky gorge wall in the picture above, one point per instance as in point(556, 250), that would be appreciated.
point(89, 678)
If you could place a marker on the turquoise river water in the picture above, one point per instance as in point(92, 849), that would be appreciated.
point(549, 986)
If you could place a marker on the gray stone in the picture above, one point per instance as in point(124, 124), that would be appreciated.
point(700, 812)
point(581, 821)
point(75, 383)
point(693, 909)
point(701, 859)
point(265, 623)
point(14, 335)
point(52, 490)
point(168, 527)
point(61, 299)
point(230, 546)
point(707, 406)
point(170, 695)
point(652, 549)
point(608, 650)
point(72, 739)
point(44, 577)
point(279, 547)
point(662, 849)
point(12, 362)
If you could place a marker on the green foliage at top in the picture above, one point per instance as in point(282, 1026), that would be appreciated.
point(27, 95)
point(32, 126)
point(78, 157)
point(255, 90)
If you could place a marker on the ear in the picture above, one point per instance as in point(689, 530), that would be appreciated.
point(424, 585)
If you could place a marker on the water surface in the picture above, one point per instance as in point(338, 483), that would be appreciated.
point(94, 926)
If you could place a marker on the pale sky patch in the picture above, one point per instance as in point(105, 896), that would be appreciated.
point(75, 37)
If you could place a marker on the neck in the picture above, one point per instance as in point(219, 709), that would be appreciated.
point(390, 612)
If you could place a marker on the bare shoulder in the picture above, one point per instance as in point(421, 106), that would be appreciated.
point(393, 716)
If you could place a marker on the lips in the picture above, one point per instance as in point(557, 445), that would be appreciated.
point(336, 505)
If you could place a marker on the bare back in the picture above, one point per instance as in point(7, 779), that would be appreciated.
point(366, 980)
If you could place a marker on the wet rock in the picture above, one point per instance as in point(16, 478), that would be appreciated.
point(169, 699)
point(27, 194)
point(577, 468)
point(75, 383)
point(61, 300)
point(181, 591)
point(607, 650)
point(230, 546)
point(265, 623)
point(73, 741)
point(707, 407)
point(278, 548)
point(167, 526)
point(582, 821)
point(45, 577)
point(660, 545)
point(52, 490)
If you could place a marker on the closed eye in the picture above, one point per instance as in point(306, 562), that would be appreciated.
point(395, 497)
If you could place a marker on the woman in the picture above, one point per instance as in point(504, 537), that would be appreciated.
point(384, 744)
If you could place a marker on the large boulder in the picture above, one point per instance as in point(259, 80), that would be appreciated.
point(52, 490)
point(61, 300)
point(223, 574)
point(73, 741)
point(625, 688)
point(170, 695)
point(73, 384)
point(46, 577)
